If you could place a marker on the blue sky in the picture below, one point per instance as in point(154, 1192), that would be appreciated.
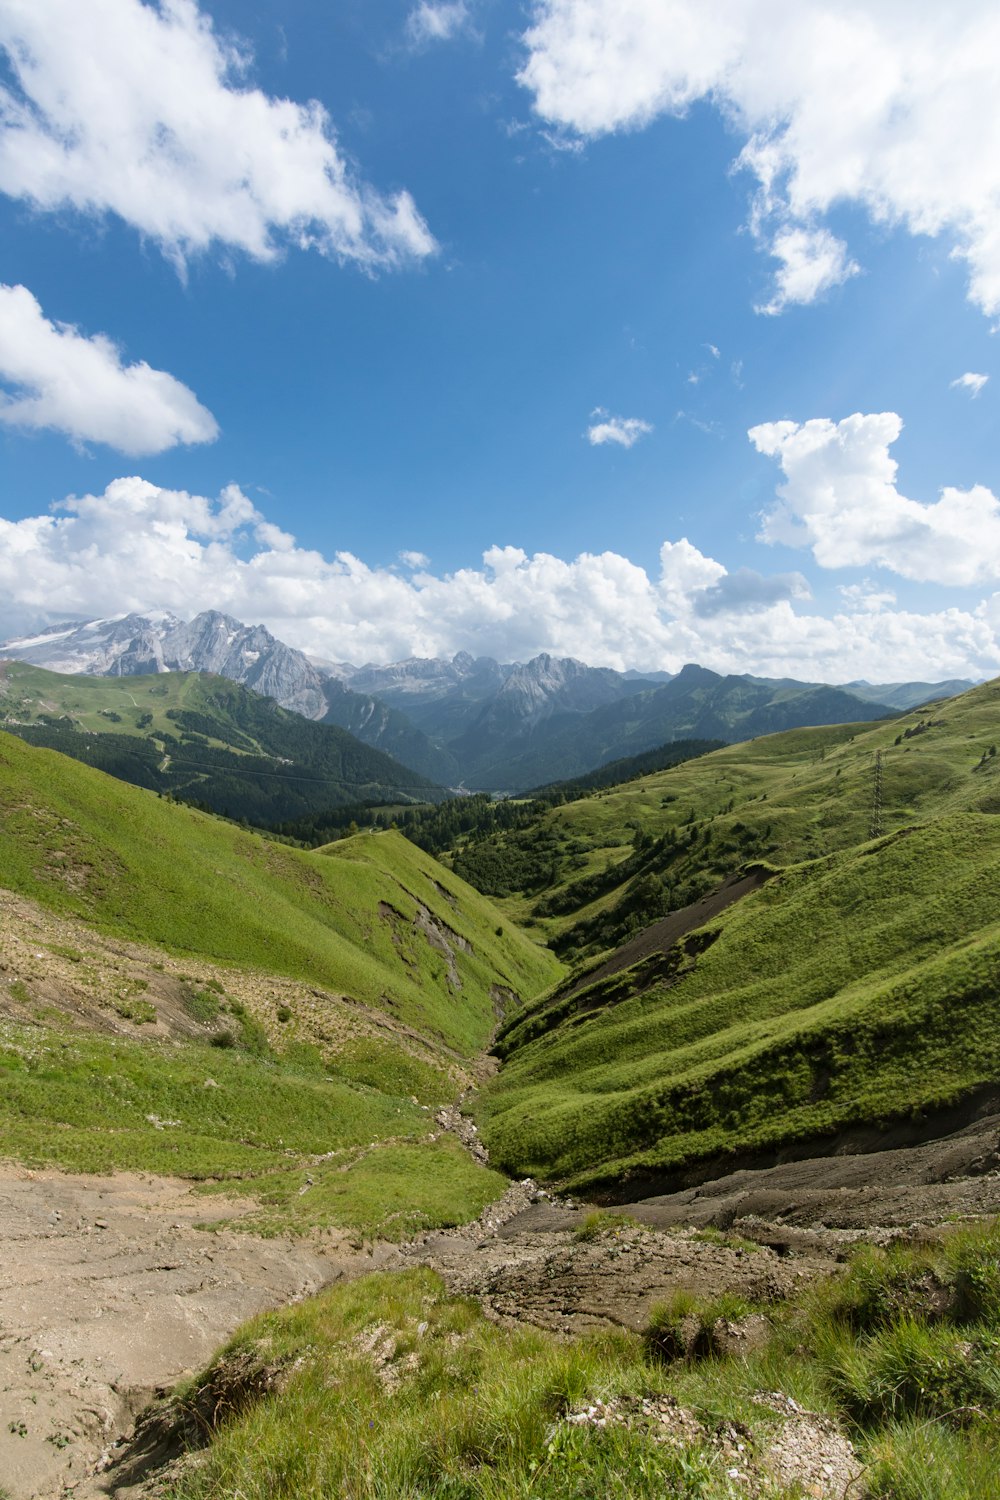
point(466, 354)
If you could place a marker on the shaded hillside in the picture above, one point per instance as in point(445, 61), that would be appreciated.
point(472, 820)
point(696, 704)
point(203, 739)
point(388, 730)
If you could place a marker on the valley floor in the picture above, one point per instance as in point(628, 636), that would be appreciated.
point(110, 1292)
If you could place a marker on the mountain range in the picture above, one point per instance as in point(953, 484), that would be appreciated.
point(199, 737)
point(472, 722)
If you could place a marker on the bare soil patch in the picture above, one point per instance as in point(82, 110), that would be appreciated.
point(661, 936)
point(109, 1293)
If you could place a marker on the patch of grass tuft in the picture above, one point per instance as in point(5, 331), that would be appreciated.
point(603, 1221)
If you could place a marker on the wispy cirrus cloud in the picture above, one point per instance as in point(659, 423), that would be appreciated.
point(54, 377)
point(146, 112)
point(437, 21)
point(970, 382)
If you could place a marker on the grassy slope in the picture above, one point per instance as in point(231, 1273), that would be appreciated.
point(203, 738)
point(32, 694)
point(801, 794)
point(464, 1410)
point(138, 867)
point(859, 985)
point(315, 1149)
point(135, 865)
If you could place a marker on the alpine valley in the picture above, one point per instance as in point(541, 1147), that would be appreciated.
point(643, 1130)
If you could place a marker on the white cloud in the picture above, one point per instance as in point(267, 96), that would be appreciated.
point(866, 595)
point(437, 20)
point(878, 103)
point(138, 547)
point(60, 379)
point(970, 382)
point(813, 261)
point(625, 431)
point(143, 111)
point(414, 559)
point(840, 500)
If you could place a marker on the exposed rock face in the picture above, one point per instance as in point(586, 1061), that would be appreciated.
point(136, 645)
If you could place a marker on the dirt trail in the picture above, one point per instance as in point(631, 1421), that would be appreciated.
point(108, 1292)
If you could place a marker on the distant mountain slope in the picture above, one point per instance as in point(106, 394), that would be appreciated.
point(376, 724)
point(696, 704)
point(204, 739)
point(138, 645)
point(471, 721)
point(903, 695)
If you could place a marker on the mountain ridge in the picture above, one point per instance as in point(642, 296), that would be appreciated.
point(470, 721)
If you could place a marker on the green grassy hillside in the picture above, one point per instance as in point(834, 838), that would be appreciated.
point(137, 865)
point(236, 1094)
point(900, 1353)
point(861, 984)
point(203, 739)
point(620, 859)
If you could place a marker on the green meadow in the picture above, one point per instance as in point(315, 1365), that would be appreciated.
point(315, 1149)
point(141, 867)
point(320, 1142)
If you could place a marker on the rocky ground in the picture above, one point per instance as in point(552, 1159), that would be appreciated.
point(530, 1259)
point(109, 1291)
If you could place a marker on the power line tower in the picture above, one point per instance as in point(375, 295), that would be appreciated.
point(875, 828)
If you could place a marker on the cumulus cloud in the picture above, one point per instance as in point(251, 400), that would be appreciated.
point(885, 104)
point(58, 378)
point(143, 111)
point(414, 559)
point(867, 595)
point(437, 21)
point(139, 547)
point(747, 592)
point(970, 382)
point(812, 261)
point(625, 431)
point(840, 500)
